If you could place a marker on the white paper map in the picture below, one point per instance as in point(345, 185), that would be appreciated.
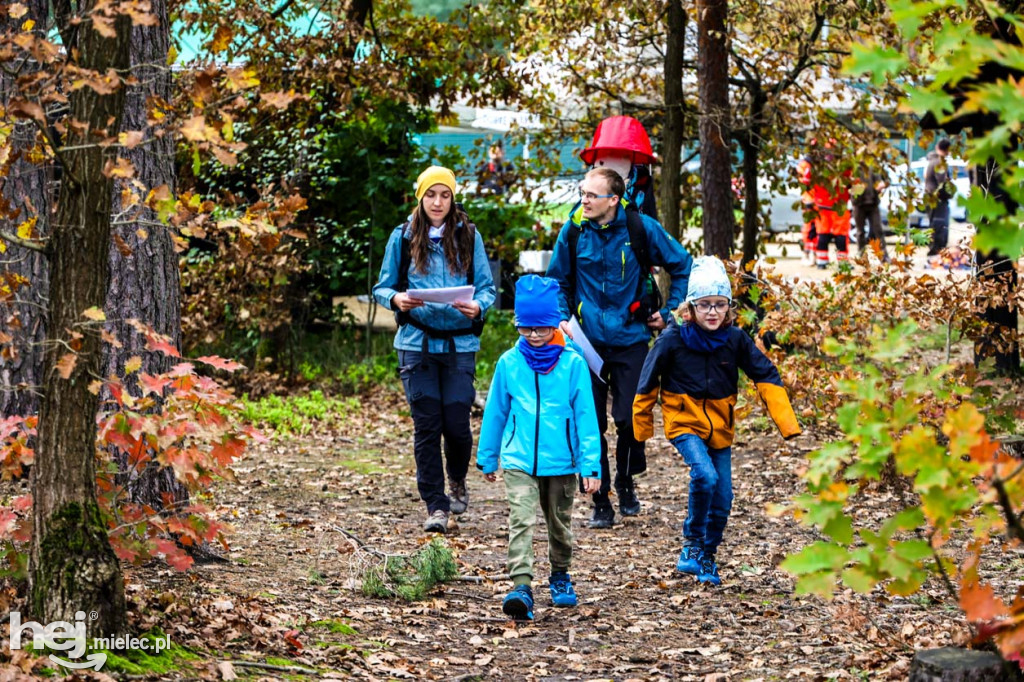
point(445, 295)
point(580, 339)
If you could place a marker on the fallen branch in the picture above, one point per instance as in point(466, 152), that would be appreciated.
point(276, 668)
point(481, 578)
point(466, 595)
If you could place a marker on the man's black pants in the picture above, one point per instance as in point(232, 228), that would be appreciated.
point(621, 371)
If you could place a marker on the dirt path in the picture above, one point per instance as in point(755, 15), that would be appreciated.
point(291, 568)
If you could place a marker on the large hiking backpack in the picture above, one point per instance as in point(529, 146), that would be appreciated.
point(475, 327)
point(647, 299)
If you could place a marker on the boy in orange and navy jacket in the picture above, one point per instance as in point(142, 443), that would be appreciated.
point(694, 368)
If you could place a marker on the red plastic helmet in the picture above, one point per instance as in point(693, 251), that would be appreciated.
point(620, 134)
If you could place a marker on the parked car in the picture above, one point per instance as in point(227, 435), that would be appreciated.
point(786, 211)
point(894, 198)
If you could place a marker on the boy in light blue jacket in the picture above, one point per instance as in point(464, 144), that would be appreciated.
point(541, 423)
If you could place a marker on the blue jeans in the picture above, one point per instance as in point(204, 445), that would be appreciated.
point(710, 491)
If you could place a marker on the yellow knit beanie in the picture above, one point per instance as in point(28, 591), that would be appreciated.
point(435, 175)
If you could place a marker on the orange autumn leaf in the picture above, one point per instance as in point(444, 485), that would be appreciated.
point(980, 603)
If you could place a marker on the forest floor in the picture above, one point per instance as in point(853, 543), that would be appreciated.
point(310, 515)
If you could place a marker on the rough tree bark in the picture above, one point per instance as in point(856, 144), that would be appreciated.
point(144, 276)
point(1003, 345)
point(22, 314)
point(72, 566)
point(672, 133)
point(713, 92)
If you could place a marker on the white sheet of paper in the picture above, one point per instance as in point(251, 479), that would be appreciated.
point(445, 295)
point(580, 339)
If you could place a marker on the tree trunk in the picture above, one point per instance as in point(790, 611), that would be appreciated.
point(713, 90)
point(144, 275)
point(672, 133)
point(994, 266)
point(72, 566)
point(22, 313)
point(751, 146)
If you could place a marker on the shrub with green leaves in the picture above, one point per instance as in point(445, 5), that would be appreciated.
point(969, 491)
point(412, 577)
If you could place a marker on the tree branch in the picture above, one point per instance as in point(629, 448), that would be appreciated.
point(1014, 526)
point(33, 244)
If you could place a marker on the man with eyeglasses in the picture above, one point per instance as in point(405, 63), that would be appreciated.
point(598, 272)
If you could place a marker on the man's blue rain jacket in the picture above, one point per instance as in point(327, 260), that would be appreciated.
point(607, 274)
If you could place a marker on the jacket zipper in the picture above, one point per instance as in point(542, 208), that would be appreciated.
point(513, 434)
point(707, 388)
point(568, 439)
point(536, 438)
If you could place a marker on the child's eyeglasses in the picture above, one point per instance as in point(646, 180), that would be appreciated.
point(534, 331)
point(590, 196)
point(704, 307)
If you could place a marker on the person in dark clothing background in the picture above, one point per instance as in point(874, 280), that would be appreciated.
point(936, 185)
point(495, 176)
point(867, 218)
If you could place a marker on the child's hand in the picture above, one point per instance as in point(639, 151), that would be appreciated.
point(491, 477)
point(591, 485)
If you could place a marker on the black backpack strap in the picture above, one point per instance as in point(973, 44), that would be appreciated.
point(638, 238)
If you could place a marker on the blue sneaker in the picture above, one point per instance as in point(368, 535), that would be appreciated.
point(562, 593)
point(689, 560)
point(709, 570)
point(518, 603)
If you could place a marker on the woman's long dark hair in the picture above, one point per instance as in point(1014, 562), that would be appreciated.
point(458, 244)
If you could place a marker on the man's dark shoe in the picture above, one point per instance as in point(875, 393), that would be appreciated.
point(437, 522)
point(458, 496)
point(604, 517)
point(629, 505)
point(518, 603)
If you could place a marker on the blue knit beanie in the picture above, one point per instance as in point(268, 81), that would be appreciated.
point(708, 278)
point(537, 302)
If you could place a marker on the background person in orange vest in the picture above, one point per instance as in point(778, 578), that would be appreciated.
point(830, 191)
point(810, 234)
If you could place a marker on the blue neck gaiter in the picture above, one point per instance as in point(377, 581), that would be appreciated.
point(701, 340)
point(544, 358)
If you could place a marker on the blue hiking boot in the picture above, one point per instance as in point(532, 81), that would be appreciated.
point(518, 603)
point(562, 593)
point(709, 570)
point(689, 560)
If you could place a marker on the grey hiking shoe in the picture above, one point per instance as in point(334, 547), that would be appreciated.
point(437, 522)
point(458, 496)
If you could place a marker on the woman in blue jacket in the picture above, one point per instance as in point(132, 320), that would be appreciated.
point(541, 423)
point(437, 343)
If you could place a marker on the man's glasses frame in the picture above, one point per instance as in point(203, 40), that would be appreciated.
point(590, 196)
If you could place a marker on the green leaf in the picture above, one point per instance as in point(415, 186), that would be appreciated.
point(908, 14)
point(820, 556)
point(908, 519)
point(922, 101)
point(875, 62)
point(913, 550)
point(840, 529)
point(859, 580)
point(822, 584)
point(907, 586)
